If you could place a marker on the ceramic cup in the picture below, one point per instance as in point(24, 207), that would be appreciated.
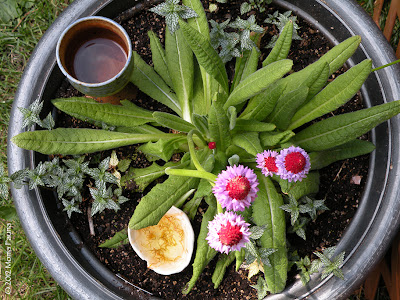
point(95, 54)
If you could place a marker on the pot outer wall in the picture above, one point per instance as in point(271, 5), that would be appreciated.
point(366, 239)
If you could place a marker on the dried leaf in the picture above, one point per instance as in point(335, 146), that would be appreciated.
point(254, 268)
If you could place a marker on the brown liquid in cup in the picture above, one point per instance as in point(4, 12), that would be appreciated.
point(98, 60)
point(96, 56)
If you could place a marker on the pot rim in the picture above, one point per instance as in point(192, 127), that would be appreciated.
point(83, 283)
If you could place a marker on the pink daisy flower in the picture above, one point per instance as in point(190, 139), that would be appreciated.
point(293, 164)
point(266, 162)
point(236, 188)
point(228, 232)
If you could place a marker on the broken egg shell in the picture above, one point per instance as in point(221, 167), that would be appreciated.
point(168, 246)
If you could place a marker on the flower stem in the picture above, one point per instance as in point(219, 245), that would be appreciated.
point(192, 151)
point(387, 65)
point(192, 173)
point(220, 210)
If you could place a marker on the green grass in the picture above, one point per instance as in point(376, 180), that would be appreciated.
point(29, 279)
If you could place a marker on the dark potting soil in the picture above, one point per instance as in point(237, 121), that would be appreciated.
point(340, 186)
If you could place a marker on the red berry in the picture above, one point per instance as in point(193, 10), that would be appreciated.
point(295, 162)
point(212, 145)
point(238, 187)
point(230, 235)
point(269, 163)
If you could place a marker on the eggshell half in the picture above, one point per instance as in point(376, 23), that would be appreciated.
point(168, 246)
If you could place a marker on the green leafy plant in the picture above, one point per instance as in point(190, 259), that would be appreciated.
point(280, 20)
point(31, 116)
point(246, 7)
point(12, 9)
point(233, 44)
point(222, 130)
point(330, 264)
point(67, 179)
point(172, 11)
point(307, 268)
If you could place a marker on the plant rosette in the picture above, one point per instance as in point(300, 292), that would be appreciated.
point(249, 148)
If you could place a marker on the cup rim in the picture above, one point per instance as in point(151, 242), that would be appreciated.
point(97, 84)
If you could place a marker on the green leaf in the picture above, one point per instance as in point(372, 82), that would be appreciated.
point(8, 213)
point(335, 58)
point(270, 139)
point(253, 125)
point(266, 212)
point(305, 77)
point(350, 149)
point(314, 75)
point(251, 252)
point(240, 65)
point(218, 125)
point(142, 177)
point(249, 141)
point(245, 8)
point(258, 81)
point(319, 82)
point(334, 95)
point(282, 45)
point(261, 287)
point(240, 258)
point(120, 238)
point(158, 58)
point(209, 86)
point(201, 100)
point(9, 10)
point(232, 115)
point(159, 200)
point(163, 148)
point(172, 11)
point(287, 106)
point(236, 150)
point(204, 253)
point(204, 190)
point(115, 115)
point(256, 232)
point(206, 56)
point(293, 208)
point(123, 164)
point(190, 208)
point(261, 105)
point(172, 121)
point(80, 140)
point(245, 65)
point(150, 83)
point(142, 129)
point(298, 189)
point(181, 69)
point(209, 162)
point(223, 262)
point(201, 123)
point(340, 129)
point(339, 54)
point(200, 23)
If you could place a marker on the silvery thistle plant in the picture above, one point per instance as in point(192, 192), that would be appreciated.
point(246, 144)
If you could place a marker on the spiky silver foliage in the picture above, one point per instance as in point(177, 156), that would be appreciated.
point(172, 11)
